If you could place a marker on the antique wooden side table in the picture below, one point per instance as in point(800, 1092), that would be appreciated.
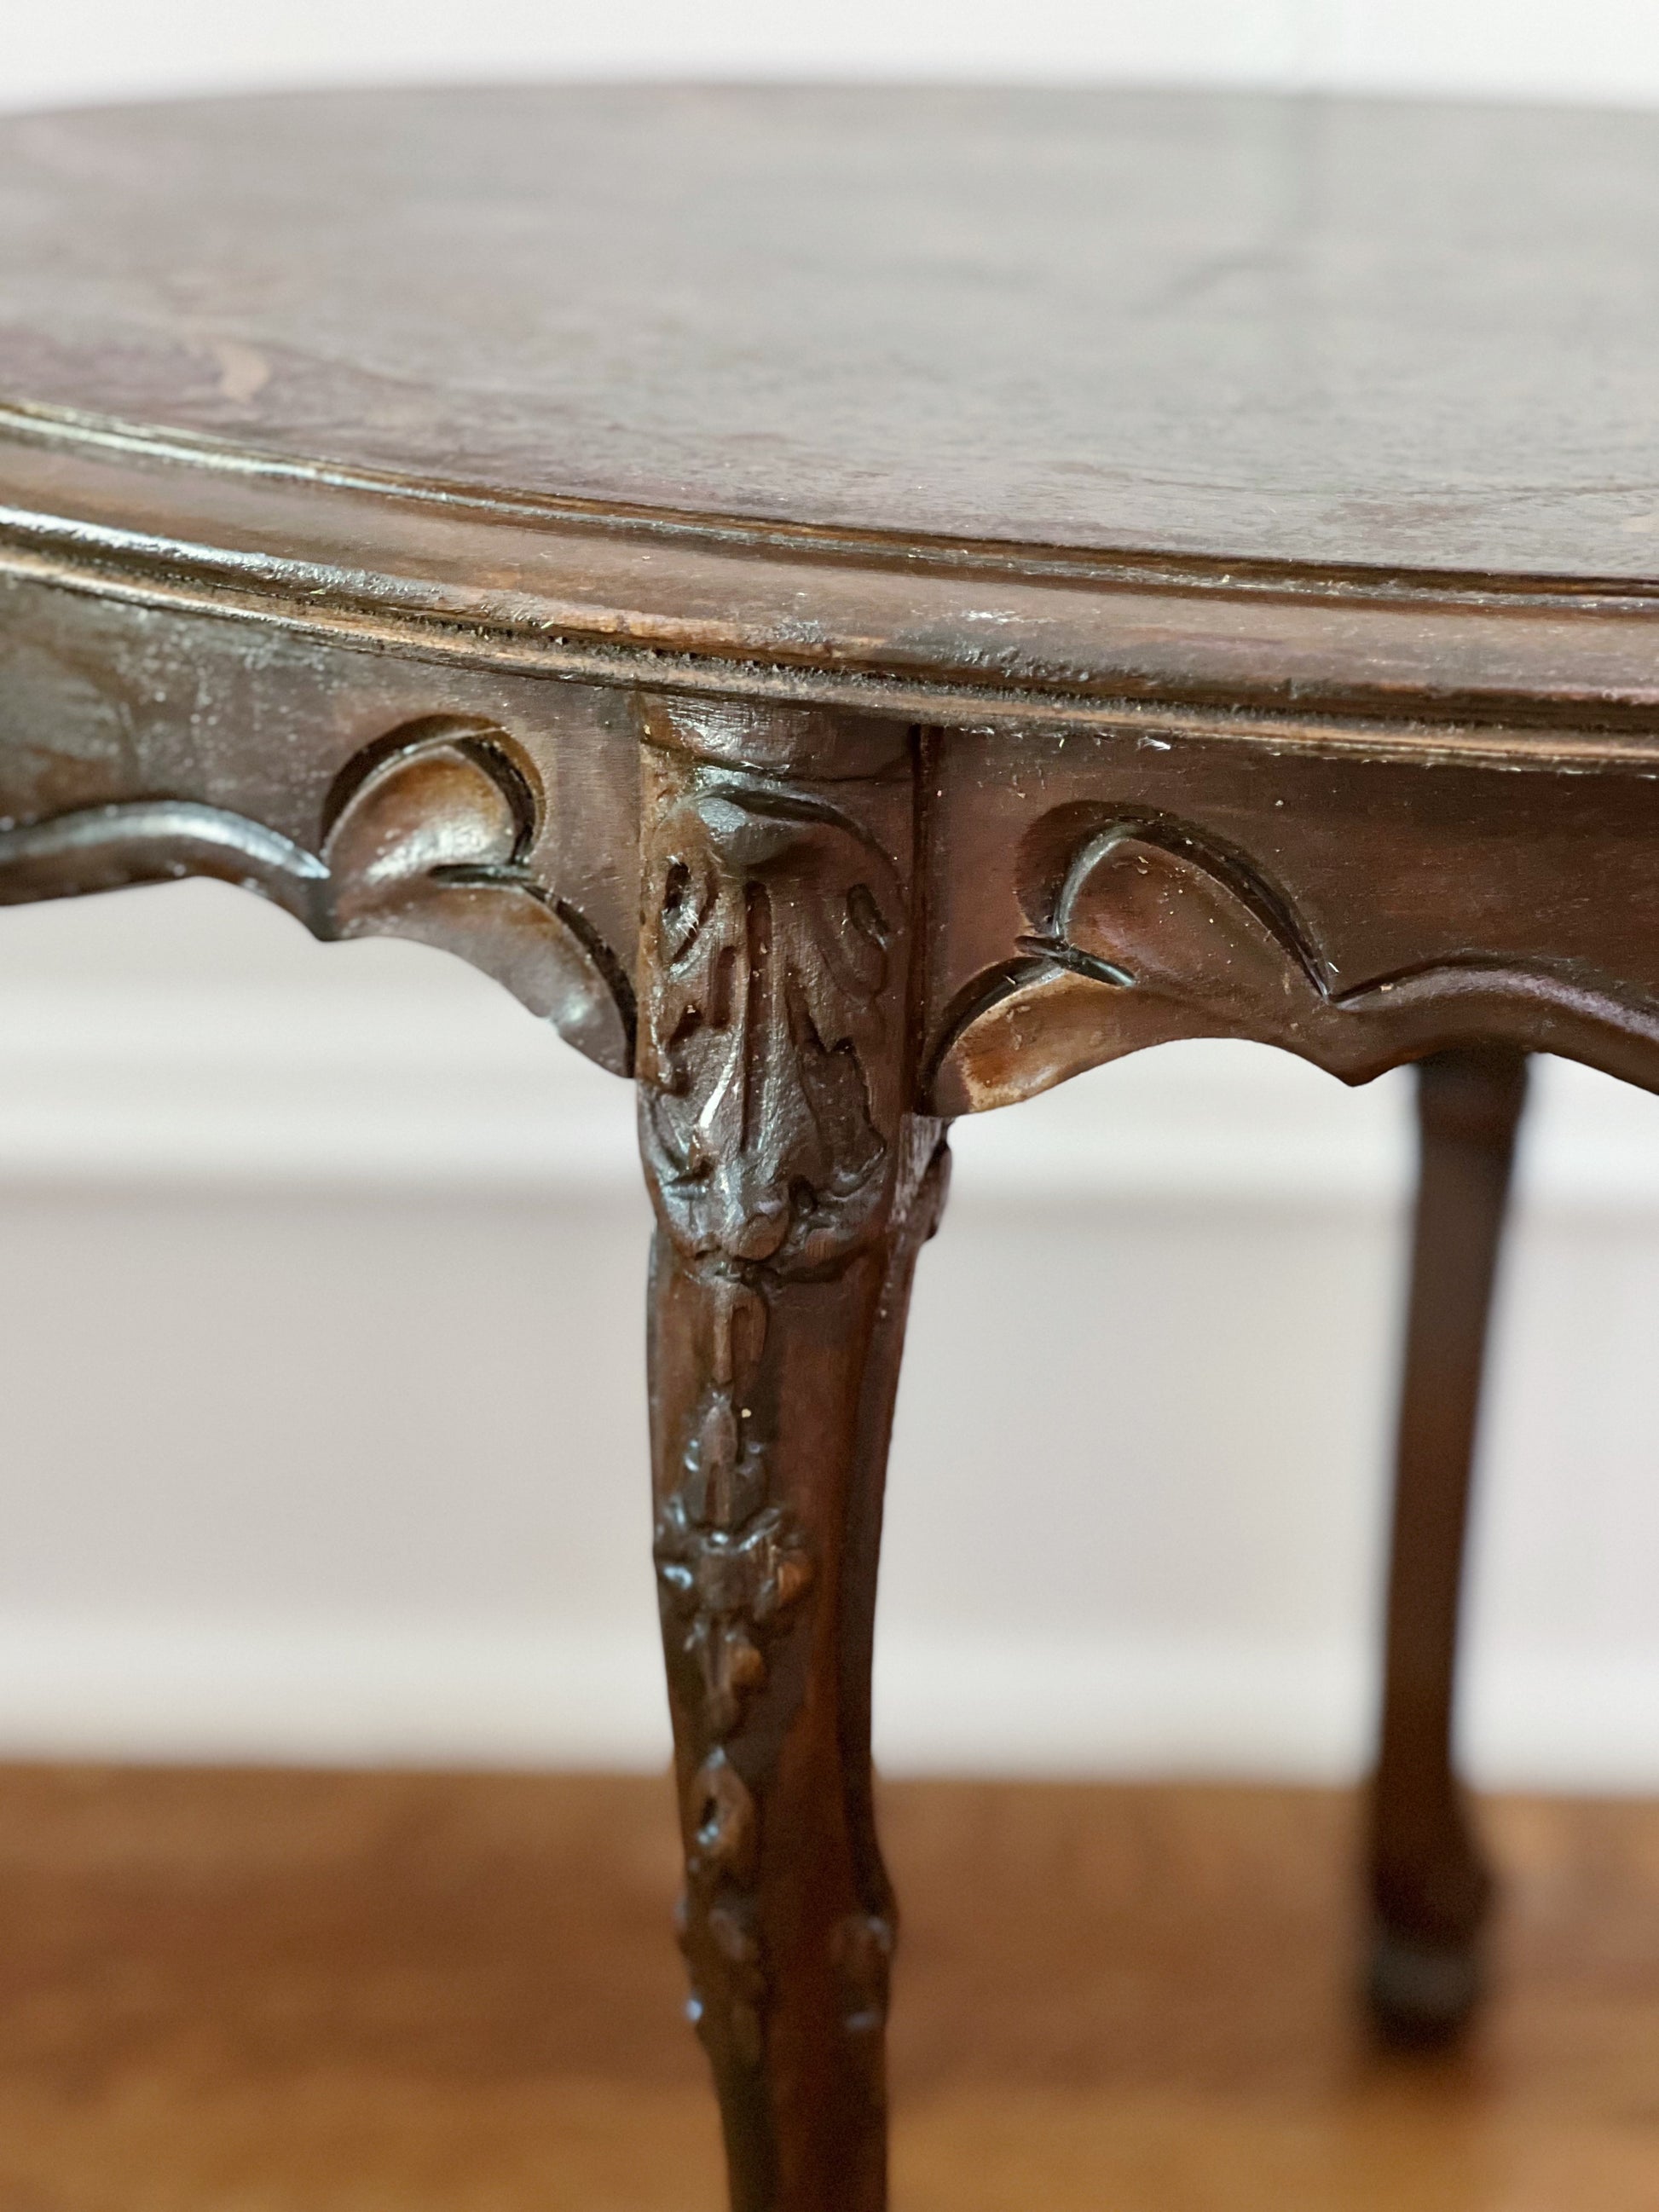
point(856, 606)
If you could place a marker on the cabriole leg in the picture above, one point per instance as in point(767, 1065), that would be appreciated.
point(792, 1189)
point(1429, 1883)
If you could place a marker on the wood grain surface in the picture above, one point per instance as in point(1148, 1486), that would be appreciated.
point(1395, 334)
point(287, 1992)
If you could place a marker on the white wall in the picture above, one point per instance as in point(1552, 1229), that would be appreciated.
point(77, 49)
point(322, 1417)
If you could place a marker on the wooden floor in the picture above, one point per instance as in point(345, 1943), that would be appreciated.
point(261, 1992)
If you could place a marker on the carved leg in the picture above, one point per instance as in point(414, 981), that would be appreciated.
point(1430, 1884)
point(793, 1189)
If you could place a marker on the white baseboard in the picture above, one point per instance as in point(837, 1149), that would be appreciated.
point(288, 1692)
point(1176, 1708)
point(1146, 1706)
point(314, 1694)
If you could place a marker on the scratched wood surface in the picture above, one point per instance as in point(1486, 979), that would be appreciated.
point(1416, 335)
point(334, 1992)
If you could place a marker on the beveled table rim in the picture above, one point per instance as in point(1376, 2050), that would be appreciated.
point(1555, 672)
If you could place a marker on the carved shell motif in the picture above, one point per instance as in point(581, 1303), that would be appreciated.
point(427, 838)
point(1156, 932)
point(431, 840)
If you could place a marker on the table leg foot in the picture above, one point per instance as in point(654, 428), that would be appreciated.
point(1421, 1993)
point(1431, 1889)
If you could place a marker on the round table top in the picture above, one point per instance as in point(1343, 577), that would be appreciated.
point(1330, 333)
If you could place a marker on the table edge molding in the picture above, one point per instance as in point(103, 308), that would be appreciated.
point(1552, 675)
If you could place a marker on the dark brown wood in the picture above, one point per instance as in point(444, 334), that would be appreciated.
point(1099, 892)
point(856, 606)
point(793, 1189)
point(1418, 337)
point(1431, 1888)
point(1029, 396)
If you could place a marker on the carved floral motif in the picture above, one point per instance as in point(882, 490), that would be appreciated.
point(864, 1959)
point(717, 1928)
point(729, 1562)
point(770, 1119)
point(769, 920)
